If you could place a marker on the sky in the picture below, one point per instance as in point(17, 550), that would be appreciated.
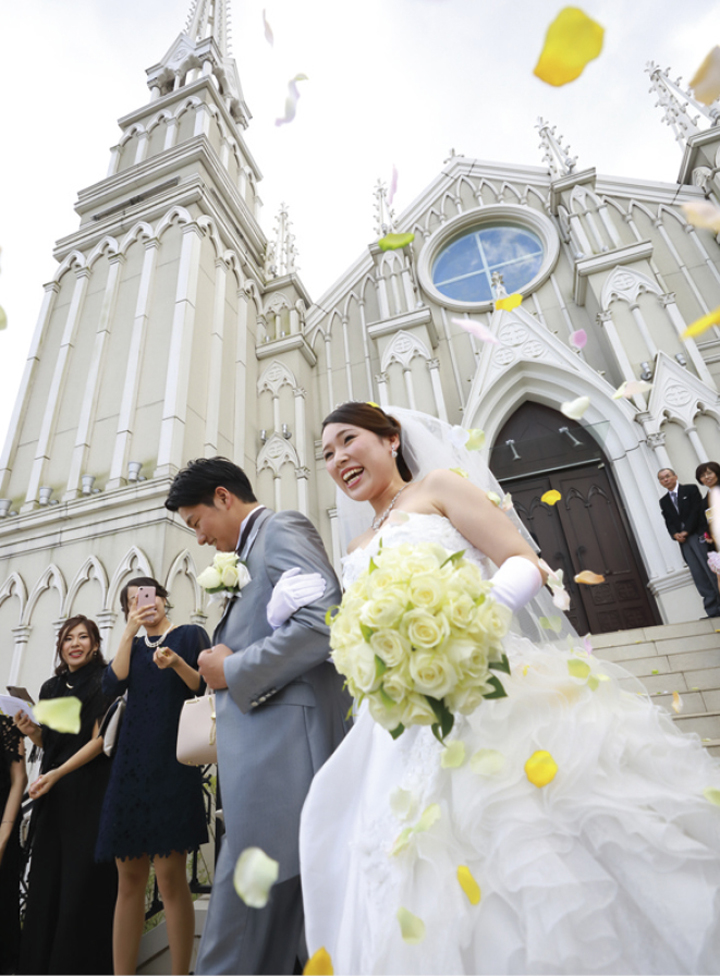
point(390, 83)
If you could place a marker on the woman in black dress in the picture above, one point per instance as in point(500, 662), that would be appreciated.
point(153, 807)
point(68, 920)
point(13, 780)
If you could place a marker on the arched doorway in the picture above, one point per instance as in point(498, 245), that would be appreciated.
point(538, 449)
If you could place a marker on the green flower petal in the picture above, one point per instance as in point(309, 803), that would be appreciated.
point(61, 714)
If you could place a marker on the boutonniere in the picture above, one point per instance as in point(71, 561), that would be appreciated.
point(226, 577)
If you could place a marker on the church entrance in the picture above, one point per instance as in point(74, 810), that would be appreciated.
point(538, 450)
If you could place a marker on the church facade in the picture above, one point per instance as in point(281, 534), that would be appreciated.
point(173, 328)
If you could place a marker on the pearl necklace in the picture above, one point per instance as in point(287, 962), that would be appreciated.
point(378, 521)
point(160, 639)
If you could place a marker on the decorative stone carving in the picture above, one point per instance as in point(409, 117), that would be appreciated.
point(275, 377)
point(503, 357)
point(677, 396)
point(656, 440)
point(403, 349)
point(513, 335)
point(533, 349)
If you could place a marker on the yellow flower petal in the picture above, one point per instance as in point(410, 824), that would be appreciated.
point(677, 703)
point(551, 623)
point(509, 302)
point(61, 714)
point(589, 578)
point(702, 213)
point(412, 928)
point(487, 762)
point(370, 403)
point(494, 498)
point(551, 497)
point(255, 874)
point(391, 242)
point(706, 83)
point(476, 440)
point(578, 669)
point(401, 841)
point(573, 39)
point(461, 471)
point(702, 324)
point(430, 815)
point(631, 389)
point(469, 885)
point(541, 768)
point(575, 409)
point(713, 795)
point(453, 755)
point(319, 964)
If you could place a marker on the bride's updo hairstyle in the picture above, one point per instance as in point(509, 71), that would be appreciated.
point(374, 419)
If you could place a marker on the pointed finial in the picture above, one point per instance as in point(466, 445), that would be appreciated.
point(681, 110)
point(281, 254)
point(384, 215)
point(496, 283)
point(557, 156)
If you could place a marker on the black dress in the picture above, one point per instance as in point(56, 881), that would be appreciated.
point(10, 738)
point(71, 899)
point(154, 804)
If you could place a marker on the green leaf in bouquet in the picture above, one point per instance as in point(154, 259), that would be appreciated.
point(349, 712)
point(499, 690)
point(445, 718)
point(366, 631)
point(332, 612)
point(373, 565)
point(387, 701)
point(502, 665)
point(454, 558)
point(397, 731)
point(380, 666)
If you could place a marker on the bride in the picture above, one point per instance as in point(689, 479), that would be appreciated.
point(613, 866)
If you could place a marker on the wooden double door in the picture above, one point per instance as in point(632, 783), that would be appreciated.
point(586, 529)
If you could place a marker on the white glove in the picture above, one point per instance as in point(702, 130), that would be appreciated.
point(293, 590)
point(516, 582)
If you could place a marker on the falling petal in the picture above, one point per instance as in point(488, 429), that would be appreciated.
point(461, 471)
point(588, 578)
point(631, 389)
point(541, 768)
point(319, 964)
point(713, 515)
point(578, 669)
point(60, 714)
point(459, 436)
point(593, 683)
point(3, 318)
point(587, 644)
point(574, 409)
point(509, 302)
point(453, 756)
point(561, 599)
point(706, 83)
point(393, 186)
point(578, 339)
point(476, 440)
point(551, 497)
point(551, 623)
point(702, 324)
point(677, 703)
point(292, 99)
point(371, 403)
point(702, 213)
point(401, 841)
point(391, 242)
point(255, 874)
point(412, 928)
point(494, 498)
point(654, 671)
point(507, 502)
point(430, 815)
point(713, 795)
point(468, 884)
point(477, 329)
point(268, 31)
point(487, 762)
point(403, 804)
point(526, 668)
point(572, 40)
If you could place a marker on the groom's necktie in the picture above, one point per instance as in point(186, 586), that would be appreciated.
point(248, 525)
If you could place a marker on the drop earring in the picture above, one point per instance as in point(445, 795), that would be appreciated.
point(393, 453)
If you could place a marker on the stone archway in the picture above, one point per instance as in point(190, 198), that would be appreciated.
point(538, 449)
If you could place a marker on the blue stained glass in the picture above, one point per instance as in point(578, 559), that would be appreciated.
point(464, 269)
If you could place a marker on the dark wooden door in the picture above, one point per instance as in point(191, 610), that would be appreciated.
point(586, 529)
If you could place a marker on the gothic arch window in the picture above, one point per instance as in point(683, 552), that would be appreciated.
point(458, 262)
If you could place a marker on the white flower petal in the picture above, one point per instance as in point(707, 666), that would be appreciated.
point(255, 874)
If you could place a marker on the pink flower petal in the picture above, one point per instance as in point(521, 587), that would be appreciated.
point(268, 31)
point(578, 339)
point(477, 329)
point(393, 186)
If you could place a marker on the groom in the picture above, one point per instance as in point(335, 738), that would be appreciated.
point(280, 710)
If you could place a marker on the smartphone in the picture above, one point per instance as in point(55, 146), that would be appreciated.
point(21, 693)
point(145, 597)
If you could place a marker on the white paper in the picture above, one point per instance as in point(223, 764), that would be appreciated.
point(10, 705)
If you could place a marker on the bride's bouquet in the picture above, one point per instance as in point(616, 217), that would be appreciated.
point(419, 635)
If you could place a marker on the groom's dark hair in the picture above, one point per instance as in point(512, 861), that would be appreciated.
point(196, 483)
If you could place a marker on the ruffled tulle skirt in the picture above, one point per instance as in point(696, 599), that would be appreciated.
point(612, 867)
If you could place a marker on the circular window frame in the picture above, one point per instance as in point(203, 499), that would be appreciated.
point(501, 213)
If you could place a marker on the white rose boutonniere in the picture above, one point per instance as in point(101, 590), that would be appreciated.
point(226, 577)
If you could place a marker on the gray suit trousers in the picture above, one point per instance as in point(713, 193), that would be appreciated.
point(250, 940)
point(695, 554)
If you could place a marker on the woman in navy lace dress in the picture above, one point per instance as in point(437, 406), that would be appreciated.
point(13, 780)
point(153, 808)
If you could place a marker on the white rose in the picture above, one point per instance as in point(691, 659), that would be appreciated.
point(466, 697)
point(390, 646)
point(417, 711)
point(432, 674)
point(459, 610)
point(383, 578)
point(229, 577)
point(468, 579)
point(427, 592)
point(209, 579)
point(365, 669)
point(243, 575)
point(423, 630)
point(385, 609)
point(387, 715)
point(397, 683)
point(223, 560)
point(493, 618)
point(344, 630)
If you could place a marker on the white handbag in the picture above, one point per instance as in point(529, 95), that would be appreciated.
point(197, 738)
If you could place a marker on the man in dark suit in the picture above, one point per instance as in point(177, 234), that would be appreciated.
point(281, 709)
point(684, 515)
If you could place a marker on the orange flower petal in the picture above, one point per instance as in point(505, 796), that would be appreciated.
point(589, 578)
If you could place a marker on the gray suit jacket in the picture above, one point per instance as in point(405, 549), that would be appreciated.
point(284, 711)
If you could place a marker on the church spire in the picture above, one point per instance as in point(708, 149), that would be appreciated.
point(202, 49)
point(557, 156)
point(281, 253)
point(384, 214)
point(681, 110)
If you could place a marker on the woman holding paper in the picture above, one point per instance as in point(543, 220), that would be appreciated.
point(68, 921)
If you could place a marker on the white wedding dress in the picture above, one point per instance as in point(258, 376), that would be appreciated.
point(613, 867)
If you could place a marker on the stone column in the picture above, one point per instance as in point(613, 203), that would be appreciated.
point(434, 367)
point(21, 636)
point(656, 441)
point(215, 390)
